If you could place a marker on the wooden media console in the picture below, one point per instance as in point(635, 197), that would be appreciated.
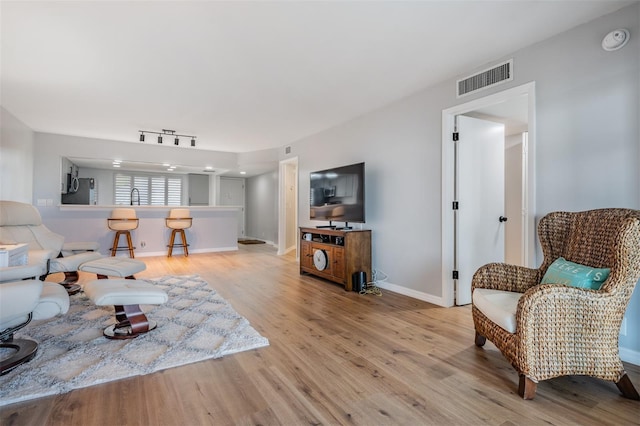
point(335, 254)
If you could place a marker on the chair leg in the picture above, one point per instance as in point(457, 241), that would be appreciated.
point(527, 387)
point(131, 322)
point(627, 389)
point(114, 248)
point(130, 243)
point(70, 277)
point(172, 241)
point(25, 351)
point(184, 242)
point(480, 339)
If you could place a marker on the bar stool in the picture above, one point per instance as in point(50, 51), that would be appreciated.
point(178, 221)
point(123, 221)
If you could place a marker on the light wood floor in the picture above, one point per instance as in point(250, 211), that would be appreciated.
point(335, 357)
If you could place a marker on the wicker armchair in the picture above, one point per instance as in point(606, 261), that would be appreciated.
point(562, 330)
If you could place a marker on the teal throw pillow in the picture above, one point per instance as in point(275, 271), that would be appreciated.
point(562, 271)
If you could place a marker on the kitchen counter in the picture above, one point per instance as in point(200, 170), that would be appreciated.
point(215, 228)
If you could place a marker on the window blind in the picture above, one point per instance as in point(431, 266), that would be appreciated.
point(154, 190)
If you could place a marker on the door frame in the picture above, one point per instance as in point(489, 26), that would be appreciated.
point(448, 182)
point(282, 205)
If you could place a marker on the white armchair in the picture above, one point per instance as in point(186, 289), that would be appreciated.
point(22, 223)
point(21, 302)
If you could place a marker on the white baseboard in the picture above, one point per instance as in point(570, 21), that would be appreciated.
point(630, 356)
point(179, 252)
point(412, 293)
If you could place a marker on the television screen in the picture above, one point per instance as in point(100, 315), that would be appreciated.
point(338, 194)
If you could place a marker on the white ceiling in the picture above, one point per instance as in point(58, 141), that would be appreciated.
point(246, 76)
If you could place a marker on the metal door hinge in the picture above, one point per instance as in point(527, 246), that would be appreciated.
point(455, 275)
point(455, 205)
point(456, 136)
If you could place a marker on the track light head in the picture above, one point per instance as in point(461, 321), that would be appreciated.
point(141, 137)
point(159, 139)
point(193, 141)
point(176, 141)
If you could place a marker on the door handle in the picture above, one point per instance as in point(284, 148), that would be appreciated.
point(502, 219)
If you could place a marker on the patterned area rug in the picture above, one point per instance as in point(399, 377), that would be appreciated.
point(194, 325)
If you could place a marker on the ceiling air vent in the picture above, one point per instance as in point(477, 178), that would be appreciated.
point(499, 74)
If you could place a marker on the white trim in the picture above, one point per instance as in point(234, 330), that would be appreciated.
point(179, 253)
point(282, 225)
point(630, 356)
point(412, 293)
point(447, 179)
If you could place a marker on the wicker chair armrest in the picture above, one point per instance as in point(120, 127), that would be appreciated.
point(505, 277)
point(557, 316)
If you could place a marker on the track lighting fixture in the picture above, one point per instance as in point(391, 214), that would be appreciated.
point(166, 132)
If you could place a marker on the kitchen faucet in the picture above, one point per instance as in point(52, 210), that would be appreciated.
point(136, 190)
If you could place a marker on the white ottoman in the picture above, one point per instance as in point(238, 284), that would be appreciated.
point(126, 296)
point(114, 267)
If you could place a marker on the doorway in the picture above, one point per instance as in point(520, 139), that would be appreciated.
point(288, 206)
point(506, 107)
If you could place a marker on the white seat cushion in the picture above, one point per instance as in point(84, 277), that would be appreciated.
point(499, 306)
point(124, 292)
point(76, 247)
point(16, 273)
point(73, 262)
point(114, 266)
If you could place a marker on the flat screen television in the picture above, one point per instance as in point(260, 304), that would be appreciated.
point(337, 195)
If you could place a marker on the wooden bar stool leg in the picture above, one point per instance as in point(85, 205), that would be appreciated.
point(172, 242)
point(184, 242)
point(115, 243)
point(130, 243)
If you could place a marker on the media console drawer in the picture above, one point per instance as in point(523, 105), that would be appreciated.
point(335, 254)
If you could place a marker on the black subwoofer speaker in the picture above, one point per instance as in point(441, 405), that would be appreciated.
point(359, 281)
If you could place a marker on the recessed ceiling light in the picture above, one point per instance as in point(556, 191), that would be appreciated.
point(209, 168)
point(166, 164)
point(243, 173)
point(116, 165)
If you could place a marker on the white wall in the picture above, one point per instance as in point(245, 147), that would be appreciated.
point(588, 146)
point(262, 207)
point(16, 159)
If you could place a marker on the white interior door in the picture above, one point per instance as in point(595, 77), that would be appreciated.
point(480, 193)
point(232, 194)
